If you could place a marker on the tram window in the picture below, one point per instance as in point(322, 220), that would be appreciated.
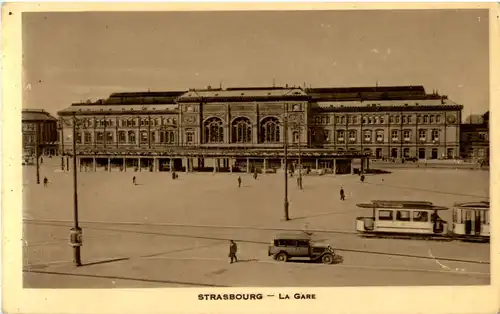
point(403, 215)
point(467, 215)
point(420, 216)
point(385, 215)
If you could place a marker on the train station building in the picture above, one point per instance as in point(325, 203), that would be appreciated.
point(247, 129)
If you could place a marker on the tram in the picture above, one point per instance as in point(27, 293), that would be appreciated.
point(471, 221)
point(397, 219)
point(420, 219)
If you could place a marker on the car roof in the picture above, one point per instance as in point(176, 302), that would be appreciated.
point(293, 236)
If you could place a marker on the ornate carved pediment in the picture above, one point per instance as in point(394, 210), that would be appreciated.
point(190, 119)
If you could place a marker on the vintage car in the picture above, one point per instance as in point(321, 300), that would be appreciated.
point(286, 246)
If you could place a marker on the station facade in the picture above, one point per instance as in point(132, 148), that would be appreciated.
point(245, 129)
point(39, 127)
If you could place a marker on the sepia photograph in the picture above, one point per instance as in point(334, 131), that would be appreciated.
point(265, 148)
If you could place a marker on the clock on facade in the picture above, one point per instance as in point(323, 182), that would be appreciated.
point(451, 119)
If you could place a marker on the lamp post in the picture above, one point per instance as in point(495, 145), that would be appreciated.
point(285, 159)
point(76, 231)
point(37, 152)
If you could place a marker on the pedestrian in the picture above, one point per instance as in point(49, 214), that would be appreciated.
point(45, 182)
point(41, 160)
point(173, 175)
point(298, 181)
point(342, 194)
point(233, 248)
point(255, 174)
point(362, 178)
point(239, 181)
point(133, 181)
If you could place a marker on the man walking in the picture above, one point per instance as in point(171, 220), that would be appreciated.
point(239, 181)
point(342, 194)
point(233, 248)
point(133, 181)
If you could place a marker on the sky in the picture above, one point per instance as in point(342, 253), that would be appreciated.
point(73, 57)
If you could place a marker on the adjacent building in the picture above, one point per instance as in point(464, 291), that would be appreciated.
point(39, 122)
point(475, 143)
point(247, 128)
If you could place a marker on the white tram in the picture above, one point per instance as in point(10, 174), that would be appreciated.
point(402, 218)
point(471, 221)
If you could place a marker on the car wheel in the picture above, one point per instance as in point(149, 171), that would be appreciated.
point(327, 259)
point(282, 257)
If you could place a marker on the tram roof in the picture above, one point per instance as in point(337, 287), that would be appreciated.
point(481, 205)
point(401, 204)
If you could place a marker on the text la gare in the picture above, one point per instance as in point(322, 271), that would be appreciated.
point(297, 296)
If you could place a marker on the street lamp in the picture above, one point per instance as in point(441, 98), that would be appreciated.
point(37, 152)
point(76, 231)
point(285, 159)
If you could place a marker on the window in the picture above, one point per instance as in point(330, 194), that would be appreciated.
point(370, 120)
point(109, 137)
point(342, 120)
point(367, 136)
point(152, 135)
point(435, 135)
point(337, 120)
point(382, 119)
point(87, 138)
point(241, 131)
point(380, 136)
point(407, 135)
point(403, 215)
point(355, 120)
point(303, 243)
point(270, 130)
point(422, 135)
point(426, 118)
point(171, 137)
point(376, 120)
point(352, 136)
point(144, 137)
point(394, 135)
point(385, 215)
point(420, 216)
point(391, 119)
point(295, 136)
point(364, 120)
point(326, 134)
point(480, 152)
point(397, 119)
point(432, 118)
point(131, 137)
point(438, 118)
point(214, 131)
point(99, 137)
point(340, 136)
point(122, 138)
point(419, 119)
point(189, 137)
point(78, 137)
point(409, 119)
point(404, 119)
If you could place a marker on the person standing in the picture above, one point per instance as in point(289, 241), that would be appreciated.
point(233, 249)
point(239, 181)
point(342, 194)
point(45, 182)
point(134, 181)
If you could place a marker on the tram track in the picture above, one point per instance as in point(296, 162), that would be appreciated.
point(67, 223)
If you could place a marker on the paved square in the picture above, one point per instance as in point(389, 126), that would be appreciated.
point(165, 232)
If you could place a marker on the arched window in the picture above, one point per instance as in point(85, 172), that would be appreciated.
point(270, 130)
point(131, 137)
point(214, 131)
point(241, 131)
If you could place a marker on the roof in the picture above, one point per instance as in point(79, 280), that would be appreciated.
point(401, 204)
point(92, 109)
point(244, 94)
point(474, 205)
point(36, 115)
point(293, 236)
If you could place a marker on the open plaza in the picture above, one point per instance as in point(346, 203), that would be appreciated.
point(175, 233)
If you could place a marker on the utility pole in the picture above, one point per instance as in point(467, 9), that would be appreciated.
point(37, 152)
point(76, 231)
point(285, 159)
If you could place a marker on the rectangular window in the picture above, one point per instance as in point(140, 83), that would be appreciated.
point(367, 136)
point(385, 215)
point(109, 137)
point(426, 118)
point(189, 137)
point(340, 136)
point(122, 138)
point(394, 135)
point(380, 136)
point(391, 119)
point(172, 137)
point(438, 119)
point(87, 138)
point(144, 137)
point(352, 136)
point(100, 137)
point(153, 136)
point(78, 138)
point(432, 118)
point(420, 216)
point(422, 135)
point(355, 120)
point(406, 135)
point(435, 135)
point(403, 215)
point(382, 119)
point(409, 119)
point(397, 119)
